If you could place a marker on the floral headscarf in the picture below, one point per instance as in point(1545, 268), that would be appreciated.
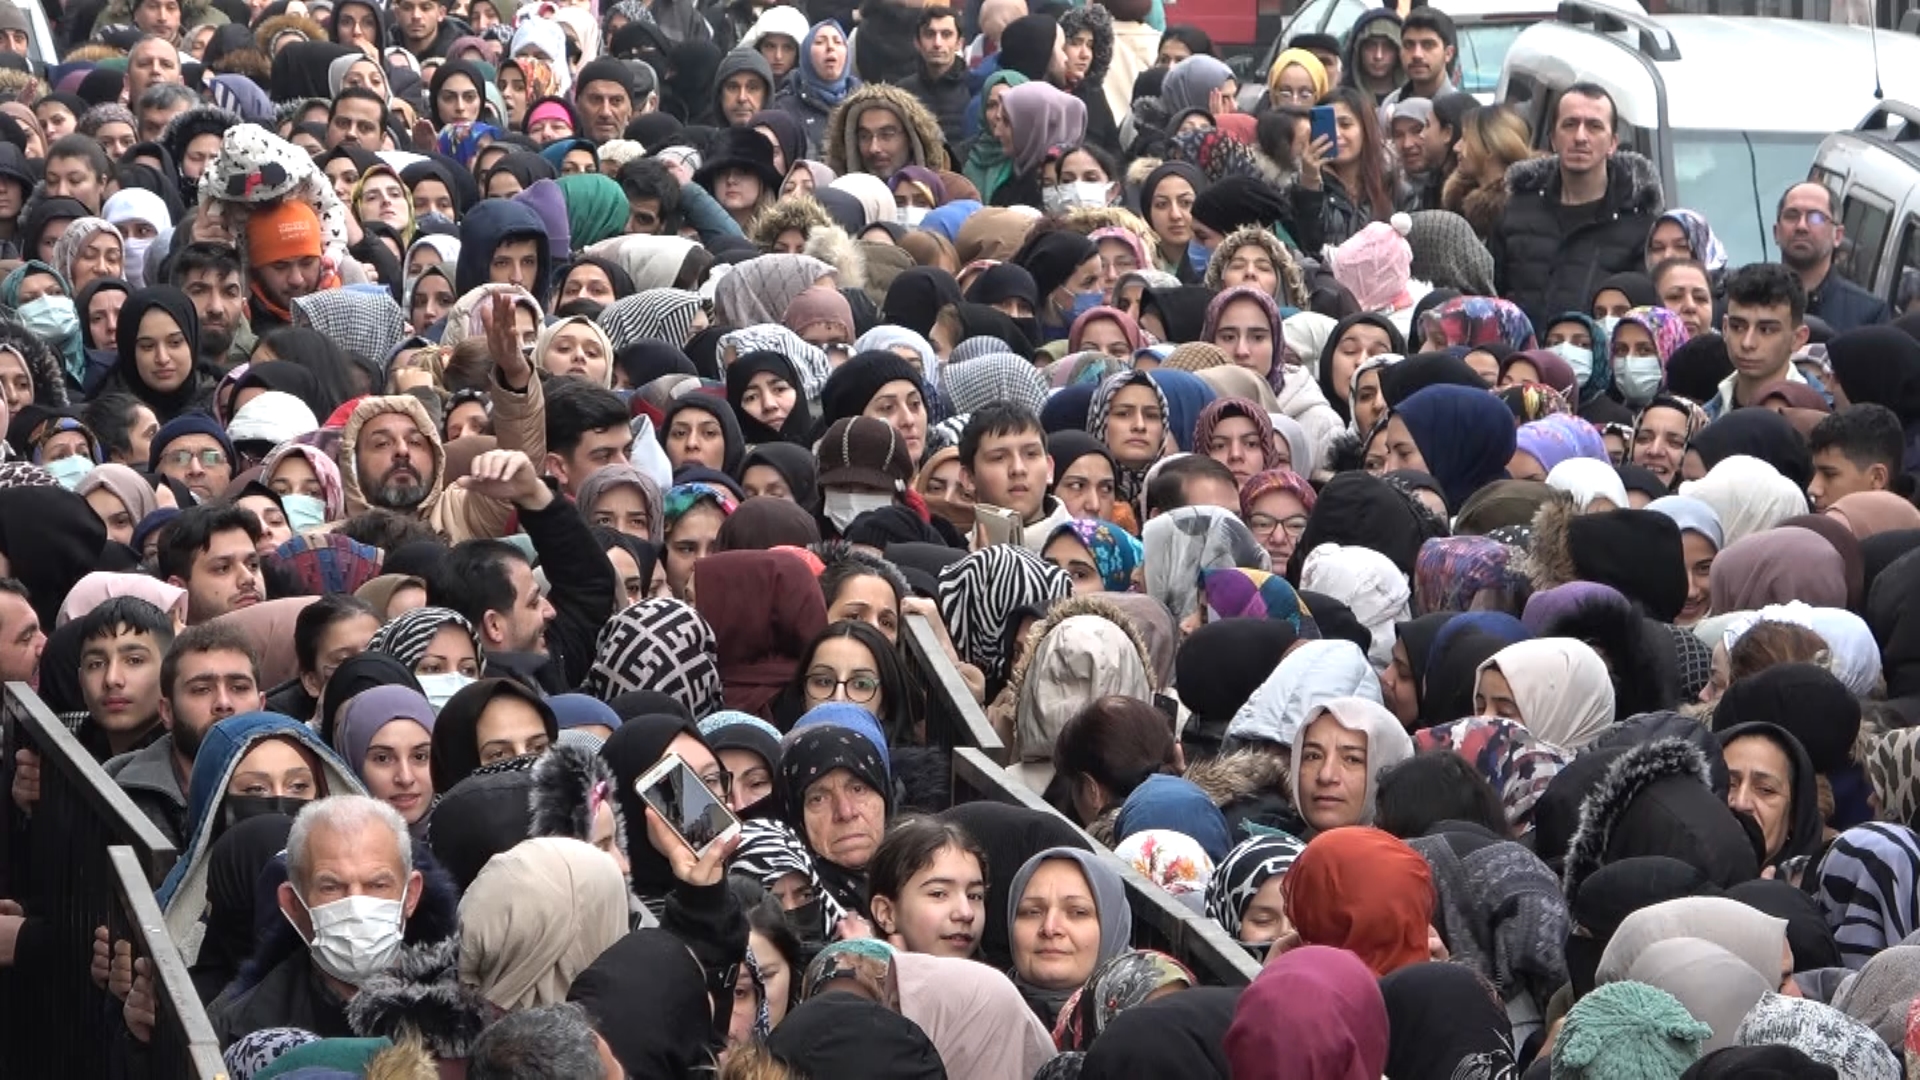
point(1452, 570)
point(1239, 876)
point(1706, 247)
point(1126, 980)
point(1264, 483)
point(1518, 765)
point(681, 498)
point(867, 961)
point(1479, 320)
point(1663, 326)
point(1222, 408)
point(1559, 438)
point(1532, 401)
point(1236, 592)
point(1116, 554)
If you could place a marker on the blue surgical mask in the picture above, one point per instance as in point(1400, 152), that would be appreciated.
point(51, 319)
point(1199, 255)
point(1084, 302)
point(303, 512)
point(438, 689)
point(1581, 360)
point(68, 470)
point(1638, 378)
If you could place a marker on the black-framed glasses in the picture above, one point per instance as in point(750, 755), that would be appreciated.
point(861, 686)
point(1262, 526)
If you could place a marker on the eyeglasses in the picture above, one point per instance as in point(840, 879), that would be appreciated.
point(1262, 526)
point(180, 459)
point(823, 683)
point(1813, 218)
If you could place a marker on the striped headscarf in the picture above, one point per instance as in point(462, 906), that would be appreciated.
point(1869, 889)
point(1239, 876)
point(407, 637)
point(981, 595)
point(651, 315)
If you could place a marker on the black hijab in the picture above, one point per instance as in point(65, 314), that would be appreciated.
point(233, 866)
point(1880, 365)
point(639, 744)
point(798, 427)
point(796, 464)
point(165, 404)
point(842, 1034)
point(644, 361)
point(43, 215)
point(1337, 396)
point(481, 816)
point(356, 674)
point(647, 997)
point(1183, 1034)
point(456, 731)
point(915, 298)
point(1355, 508)
point(1760, 433)
point(1182, 311)
point(1443, 1020)
point(51, 539)
point(733, 445)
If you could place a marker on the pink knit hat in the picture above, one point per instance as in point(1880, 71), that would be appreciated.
point(1375, 264)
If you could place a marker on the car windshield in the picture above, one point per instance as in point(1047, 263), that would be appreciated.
point(1482, 49)
point(1732, 177)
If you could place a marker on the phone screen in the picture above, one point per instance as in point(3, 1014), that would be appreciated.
point(1322, 124)
point(691, 810)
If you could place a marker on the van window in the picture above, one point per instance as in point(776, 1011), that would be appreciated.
point(1867, 222)
point(1909, 257)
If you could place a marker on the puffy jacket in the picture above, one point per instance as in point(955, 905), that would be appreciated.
point(1547, 273)
point(946, 95)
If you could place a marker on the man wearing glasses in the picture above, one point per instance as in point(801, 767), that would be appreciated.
point(194, 450)
point(1807, 232)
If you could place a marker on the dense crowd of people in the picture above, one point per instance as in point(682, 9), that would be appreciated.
point(1421, 555)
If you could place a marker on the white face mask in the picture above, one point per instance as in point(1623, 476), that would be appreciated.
point(1080, 193)
point(438, 688)
point(1638, 378)
point(356, 937)
point(1607, 324)
point(910, 216)
point(843, 506)
point(303, 512)
point(136, 260)
point(1581, 360)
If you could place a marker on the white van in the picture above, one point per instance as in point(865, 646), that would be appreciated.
point(1874, 174)
point(1730, 109)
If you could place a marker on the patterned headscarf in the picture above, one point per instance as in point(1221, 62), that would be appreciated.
point(867, 961)
point(1172, 860)
point(1706, 247)
point(1235, 592)
point(1869, 889)
point(1893, 768)
point(1532, 401)
point(999, 377)
point(1183, 542)
point(252, 1053)
point(651, 315)
point(1559, 438)
point(407, 637)
point(769, 851)
point(324, 470)
point(810, 361)
point(1238, 877)
point(1517, 765)
point(1451, 570)
point(980, 594)
point(681, 498)
point(1116, 554)
point(1223, 408)
point(658, 644)
point(1128, 482)
point(1663, 326)
point(1263, 483)
point(1124, 981)
point(1480, 320)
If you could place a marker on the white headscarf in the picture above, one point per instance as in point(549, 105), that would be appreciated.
point(1748, 495)
point(1562, 688)
point(1371, 586)
point(1587, 479)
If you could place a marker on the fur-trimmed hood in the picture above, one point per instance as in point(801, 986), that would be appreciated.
point(1088, 604)
point(831, 245)
point(366, 410)
point(49, 381)
point(802, 212)
point(570, 783)
point(1242, 776)
point(928, 145)
point(1644, 678)
point(1549, 560)
point(1657, 799)
point(1293, 287)
point(264, 34)
point(1633, 181)
point(197, 121)
point(421, 995)
point(1097, 19)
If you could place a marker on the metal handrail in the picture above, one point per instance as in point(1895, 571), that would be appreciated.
point(184, 1044)
point(955, 719)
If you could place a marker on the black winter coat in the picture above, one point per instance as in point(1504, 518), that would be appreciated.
point(1547, 273)
point(946, 96)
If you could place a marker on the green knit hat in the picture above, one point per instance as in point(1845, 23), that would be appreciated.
point(1627, 1031)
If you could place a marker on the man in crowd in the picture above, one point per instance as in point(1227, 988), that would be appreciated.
point(21, 638)
point(211, 550)
point(1426, 53)
point(1858, 448)
point(1807, 232)
point(210, 276)
point(284, 260)
point(744, 86)
point(882, 129)
point(941, 82)
point(1003, 456)
point(122, 642)
point(604, 96)
point(1764, 327)
point(194, 450)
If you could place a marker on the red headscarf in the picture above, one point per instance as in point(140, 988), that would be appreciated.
point(1362, 890)
point(765, 609)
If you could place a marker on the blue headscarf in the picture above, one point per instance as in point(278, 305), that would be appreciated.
point(812, 85)
point(1186, 395)
point(183, 894)
point(1600, 377)
point(1465, 435)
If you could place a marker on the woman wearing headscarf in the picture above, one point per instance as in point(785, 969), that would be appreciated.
point(536, 917)
point(765, 609)
point(1185, 541)
point(1125, 981)
point(1057, 943)
point(1777, 566)
point(1332, 786)
point(432, 641)
point(984, 594)
point(159, 348)
point(769, 399)
point(1463, 437)
point(1558, 687)
point(658, 644)
point(1039, 117)
point(835, 788)
point(1364, 891)
point(385, 735)
point(973, 1015)
point(488, 722)
point(1314, 1014)
point(1166, 201)
point(1357, 509)
point(622, 498)
point(1240, 435)
point(1771, 779)
point(821, 78)
point(1756, 433)
point(1866, 885)
point(1246, 892)
point(1541, 445)
point(647, 997)
point(1867, 513)
point(1643, 341)
point(989, 165)
point(1746, 494)
point(1445, 1022)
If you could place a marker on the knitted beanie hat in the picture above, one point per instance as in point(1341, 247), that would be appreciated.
point(1627, 1031)
point(1376, 263)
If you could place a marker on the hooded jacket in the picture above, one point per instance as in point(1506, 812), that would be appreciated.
point(739, 60)
point(51, 385)
point(1656, 799)
point(1101, 128)
point(489, 224)
point(1350, 62)
point(454, 513)
point(1547, 272)
point(926, 146)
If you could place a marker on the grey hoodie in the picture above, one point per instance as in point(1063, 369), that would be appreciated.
point(148, 778)
point(732, 64)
